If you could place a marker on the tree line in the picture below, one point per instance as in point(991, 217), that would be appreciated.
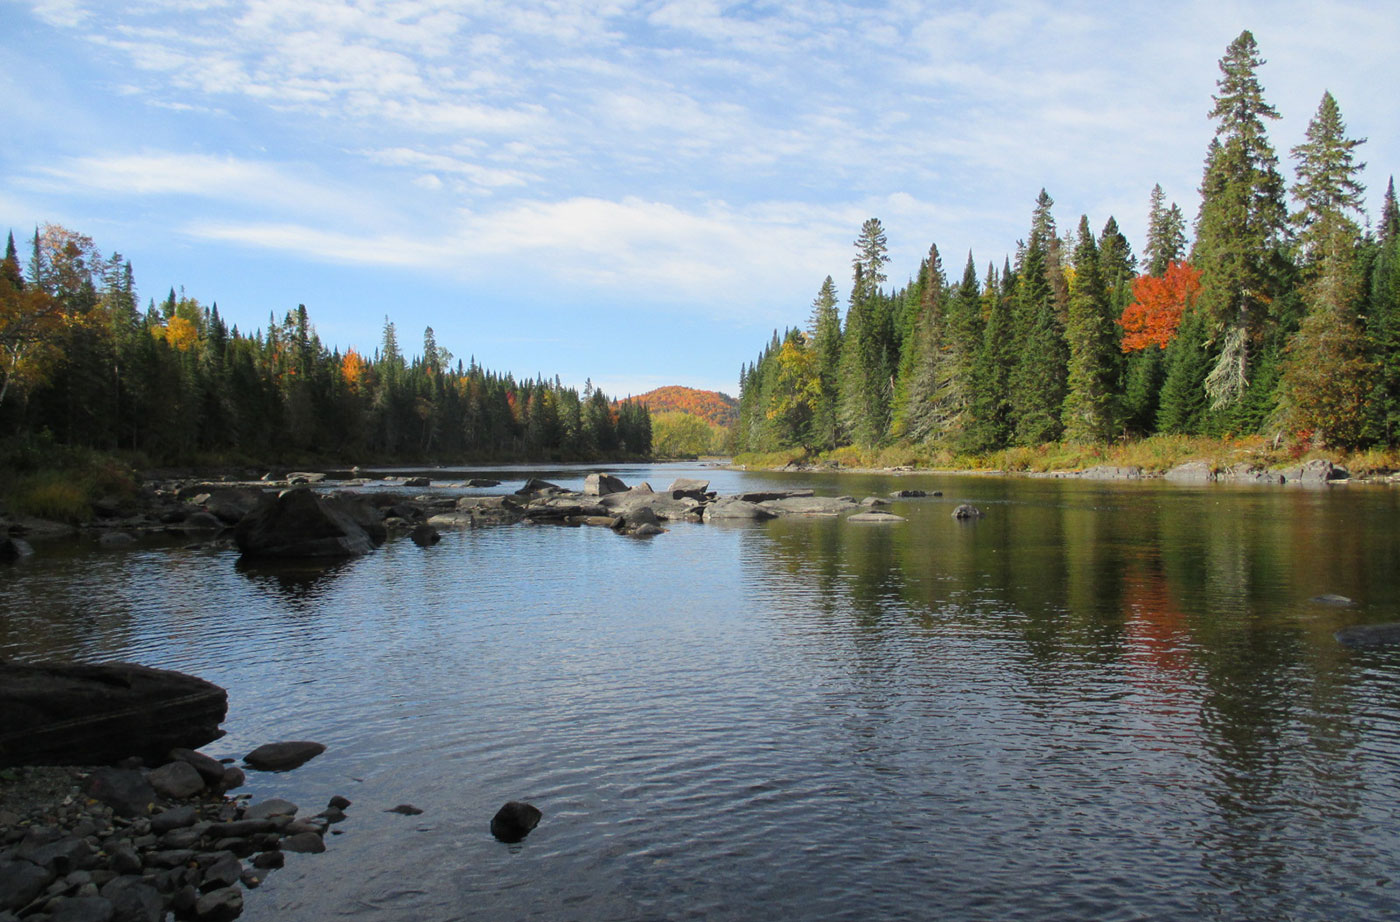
point(82, 365)
point(1273, 320)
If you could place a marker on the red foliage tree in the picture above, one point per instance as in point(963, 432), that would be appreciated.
point(1158, 305)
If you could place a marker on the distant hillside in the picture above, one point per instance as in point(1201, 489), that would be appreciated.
point(711, 406)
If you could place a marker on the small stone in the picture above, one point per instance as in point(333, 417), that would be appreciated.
point(340, 803)
point(176, 779)
point(209, 768)
point(174, 818)
point(284, 756)
point(269, 860)
point(233, 778)
point(125, 790)
point(183, 901)
point(269, 808)
point(251, 880)
point(83, 909)
point(219, 905)
point(20, 883)
point(425, 535)
point(405, 809)
point(332, 815)
point(134, 900)
point(222, 873)
point(304, 842)
point(514, 821)
point(170, 858)
point(124, 859)
point(237, 844)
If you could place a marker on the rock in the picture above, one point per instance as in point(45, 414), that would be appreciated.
point(305, 477)
point(646, 530)
point(304, 842)
point(768, 496)
point(1315, 473)
point(425, 535)
point(514, 821)
point(230, 504)
point(267, 809)
point(875, 518)
point(176, 780)
point(687, 486)
point(84, 714)
point(736, 510)
point(223, 905)
point(1190, 472)
point(534, 485)
point(664, 505)
point(20, 883)
point(125, 790)
point(405, 809)
point(284, 756)
point(209, 768)
point(967, 511)
point(238, 829)
point(1328, 598)
point(116, 539)
point(642, 515)
point(174, 818)
point(12, 548)
point(1244, 472)
point(133, 900)
point(338, 802)
point(83, 909)
point(451, 520)
point(874, 501)
point(1111, 472)
point(602, 485)
point(417, 482)
point(201, 521)
point(226, 871)
point(1370, 635)
point(483, 482)
point(810, 505)
point(233, 778)
point(60, 854)
point(298, 523)
point(908, 494)
point(124, 859)
point(268, 860)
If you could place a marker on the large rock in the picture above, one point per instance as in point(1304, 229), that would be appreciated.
point(125, 790)
point(967, 511)
point(768, 496)
point(1370, 635)
point(875, 518)
point(280, 757)
point(810, 505)
point(20, 883)
point(231, 504)
point(90, 713)
point(688, 486)
point(736, 510)
point(602, 485)
point(298, 523)
point(514, 821)
point(665, 505)
point(14, 548)
point(177, 780)
point(534, 485)
point(1315, 473)
point(1191, 472)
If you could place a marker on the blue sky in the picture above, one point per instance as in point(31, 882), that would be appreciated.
point(636, 192)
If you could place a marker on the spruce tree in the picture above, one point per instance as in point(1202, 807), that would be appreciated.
point(1038, 377)
point(1091, 406)
point(825, 326)
point(865, 367)
point(1325, 376)
point(1383, 326)
point(989, 426)
point(1242, 225)
point(918, 412)
point(1166, 235)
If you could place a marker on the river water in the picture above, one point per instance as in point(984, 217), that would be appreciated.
point(1099, 701)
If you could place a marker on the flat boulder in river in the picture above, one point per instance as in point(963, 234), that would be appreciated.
point(1370, 635)
point(298, 523)
point(285, 756)
point(95, 713)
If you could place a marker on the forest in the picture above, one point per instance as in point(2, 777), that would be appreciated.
point(85, 367)
point(1281, 317)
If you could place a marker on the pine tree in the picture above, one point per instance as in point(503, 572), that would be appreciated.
point(825, 327)
point(1091, 406)
point(1326, 375)
point(865, 366)
point(1241, 229)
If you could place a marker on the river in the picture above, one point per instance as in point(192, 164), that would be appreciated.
point(1098, 701)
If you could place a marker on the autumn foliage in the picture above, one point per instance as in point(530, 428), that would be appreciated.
point(713, 407)
point(1158, 304)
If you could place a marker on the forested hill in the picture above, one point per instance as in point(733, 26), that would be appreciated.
point(712, 406)
point(1281, 318)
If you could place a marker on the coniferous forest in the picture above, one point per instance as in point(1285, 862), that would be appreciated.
point(85, 367)
point(1281, 317)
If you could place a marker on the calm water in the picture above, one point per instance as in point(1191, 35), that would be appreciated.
point(1101, 701)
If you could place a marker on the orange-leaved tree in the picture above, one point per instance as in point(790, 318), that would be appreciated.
point(1158, 305)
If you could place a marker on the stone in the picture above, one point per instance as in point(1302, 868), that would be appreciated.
point(305, 842)
point(513, 822)
point(224, 872)
point(83, 909)
point(1370, 635)
point(12, 548)
point(405, 809)
point(1315, 473)
point(97, 713)
point(223, 905)
point(233, 778)
point(20, 883)
point(417, 482)
point(908, 494)
point(875, 518)
point(646, 530)
point(688, 486)
point(425, 535)
point(874, 501)
point(602, 485)
point(176, 780)
point(967, 511)
point(267, 809)
point(230, 504)
point(809, 505)
point(125, 790)
point(736, 510)
point(298, 523)
point(1190, 472)
point(1329, 598)
point(283, 756)
point(133, 900)
point(339, 802)
point(534, 485)
point(270, 859)
point(768, 496)
point(201, 521)
point(1111, 472)
point(174, 818)
point(116, 539)
point(124, 859)
point(209, 768)
point(240, 828)
point(483, 482)
point(60, 854)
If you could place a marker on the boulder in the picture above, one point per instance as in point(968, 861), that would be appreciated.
point(14, 548)
point(664, 505)
point(284, 756)
point(95, 713)
point(908, 494)
point(125, 790)
point(514, 821)
point(20, 883)
point(176, 780)
point(1111, 472)
point(1244, 472)
point(209, 768)
point(1370, 635)
point(230, 504)
point(133, 900)
point(768, 496)
point(1315, 473)
point(875, 518)
point(810, 505)
point(736, 510)
point(305, 477)
point(222, 905)
point(298, 523)
point(688, 486)
point(641, 515)
point(602, 485)
point(417, 482)
point(201, 521)
point(83, 909)
point(425, 535)
point(534, 485)
point(483, 482)
point(874, 501)
point(1191, 472)
point(967, 511)
point(450, 520)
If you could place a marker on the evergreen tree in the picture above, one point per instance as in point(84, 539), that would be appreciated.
point(1326, 375)
point(865, 366)
point(1241, 229)
point(922, 402)
point(1383, 326)
point(1183, 408)
point(1166, 235)
point(1091, 407)
point(825, 327)
point(989, 427)
point(1038, 378)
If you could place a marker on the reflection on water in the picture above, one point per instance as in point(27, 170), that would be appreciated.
point(1099, 701)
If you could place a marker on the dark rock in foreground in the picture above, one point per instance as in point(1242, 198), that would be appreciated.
point(87, 713)
point(284, 756)
point(514, 821)
point(298, 523)
point(1370, 635)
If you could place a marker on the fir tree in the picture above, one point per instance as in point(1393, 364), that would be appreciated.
point(1091, 410)
point(989, 426)
point(1166, 235)
point(1038, 378)
point(865, 367)
point(825, 327)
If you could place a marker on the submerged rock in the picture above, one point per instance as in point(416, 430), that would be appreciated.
point(967, 511)
point(284, 756)
point(1370, 635)
point(514, 821)
point(875, 518)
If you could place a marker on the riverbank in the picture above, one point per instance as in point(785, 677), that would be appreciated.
point(1245, 460)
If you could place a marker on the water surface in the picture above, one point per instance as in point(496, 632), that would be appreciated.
point(1108, 701)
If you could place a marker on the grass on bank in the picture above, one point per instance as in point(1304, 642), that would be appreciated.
point(1156, 454)
point(59, 483)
